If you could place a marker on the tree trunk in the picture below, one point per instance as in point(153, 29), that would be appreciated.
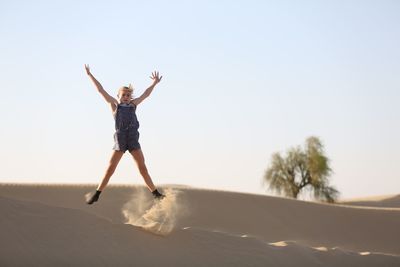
point(295, 191)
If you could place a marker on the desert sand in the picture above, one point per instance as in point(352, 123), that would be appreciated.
point(387, 201)
point(51, 225)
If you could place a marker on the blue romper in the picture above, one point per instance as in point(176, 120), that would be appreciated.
point(126, 135)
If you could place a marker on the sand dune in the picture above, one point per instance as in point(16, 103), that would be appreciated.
point(52, 226)
point(391, 201)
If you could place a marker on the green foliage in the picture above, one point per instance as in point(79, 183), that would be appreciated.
point(302, 169)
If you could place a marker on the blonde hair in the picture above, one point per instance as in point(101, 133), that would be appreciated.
point(126, 88)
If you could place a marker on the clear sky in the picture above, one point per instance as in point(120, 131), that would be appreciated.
point(242, 80)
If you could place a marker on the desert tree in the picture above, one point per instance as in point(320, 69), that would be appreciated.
point(302, 169)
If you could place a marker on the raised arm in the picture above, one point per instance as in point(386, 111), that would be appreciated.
point(111, 100)
point(156, 79)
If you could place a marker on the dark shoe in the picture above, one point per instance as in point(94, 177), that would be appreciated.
point(157, 195)
point(93, 198)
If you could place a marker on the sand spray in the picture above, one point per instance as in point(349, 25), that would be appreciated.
point(156, 216)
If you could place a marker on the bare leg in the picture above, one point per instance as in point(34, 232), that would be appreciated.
point(115, 158)
point(139, 159)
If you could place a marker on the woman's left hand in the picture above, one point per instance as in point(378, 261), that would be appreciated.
point(155, 76)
